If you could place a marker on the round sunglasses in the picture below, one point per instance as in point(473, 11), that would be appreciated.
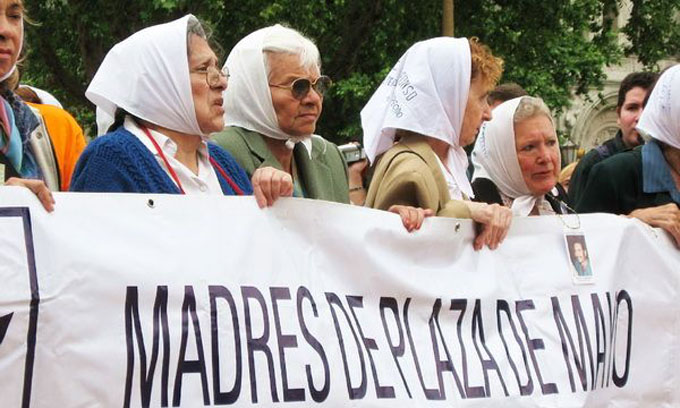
point(301, 86)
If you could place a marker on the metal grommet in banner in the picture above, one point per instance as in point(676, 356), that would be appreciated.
point(457, 226)
point(150, 203)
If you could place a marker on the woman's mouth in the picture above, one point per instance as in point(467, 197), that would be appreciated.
point(543, 174)
point(308, 116)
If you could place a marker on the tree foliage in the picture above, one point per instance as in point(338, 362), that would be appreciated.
point(654, 30)
point(552, 48)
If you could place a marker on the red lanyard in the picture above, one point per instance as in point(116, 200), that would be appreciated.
point(214, 163)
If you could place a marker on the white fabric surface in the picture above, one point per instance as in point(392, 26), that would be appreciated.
point(104, 260)
point(451, 185)
point(46, 97)
point(426, 92)
point(205, 182)
point(147, 75)
point(248, 100)
point(104, 121)
point(497, 156)
point(661, 117)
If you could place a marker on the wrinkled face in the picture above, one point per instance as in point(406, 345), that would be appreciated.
point(11, 33)
point(579, 252)
point(476, 111)
point(207, 100)
point(629, 113)
point(537, 153)
point(296, 117)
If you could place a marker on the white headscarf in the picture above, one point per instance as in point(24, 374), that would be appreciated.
point(661, 117)
point(147, 75)
point(497, 156)
point(426, 92)
point(248, 104)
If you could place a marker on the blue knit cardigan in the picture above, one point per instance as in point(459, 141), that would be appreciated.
point(118, 162)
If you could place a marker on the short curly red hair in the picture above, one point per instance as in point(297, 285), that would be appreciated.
point(484, 64)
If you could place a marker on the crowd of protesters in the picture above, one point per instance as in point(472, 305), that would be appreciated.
point(157, 115)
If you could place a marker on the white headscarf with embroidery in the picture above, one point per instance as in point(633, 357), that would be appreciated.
point(426, 92)
point(661, 117)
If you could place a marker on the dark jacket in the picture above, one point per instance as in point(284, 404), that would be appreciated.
point(615, 186)
point(119, 163)
point(486, 192)
point(579, 178)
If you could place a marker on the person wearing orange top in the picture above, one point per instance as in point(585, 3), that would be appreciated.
point(67, 140)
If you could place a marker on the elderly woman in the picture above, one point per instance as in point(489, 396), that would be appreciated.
point(275, 98)
point(645, 182)
point(25, 159)
point(519, 159)
point(432, 104)
point(164, 111)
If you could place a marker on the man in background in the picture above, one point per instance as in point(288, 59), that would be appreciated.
point(629, 107)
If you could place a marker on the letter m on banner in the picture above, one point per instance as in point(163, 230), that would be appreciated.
point(18, 315)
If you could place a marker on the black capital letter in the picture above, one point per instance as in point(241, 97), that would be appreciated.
point(221, 397)
point(190, 366)
point(258, 344)
point(322, 394)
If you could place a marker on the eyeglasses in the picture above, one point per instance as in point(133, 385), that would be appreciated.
point(301, 86)
point(213, 75)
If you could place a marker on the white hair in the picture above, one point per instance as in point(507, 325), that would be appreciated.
point(529, 107)
point(285, 40)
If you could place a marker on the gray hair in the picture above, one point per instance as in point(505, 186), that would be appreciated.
point(285, 40)
point(529, 107)
point(194, 27)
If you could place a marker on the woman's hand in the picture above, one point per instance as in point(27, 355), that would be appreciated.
point(495, 222)
point(38, 187)
point(269, 184)
point(666, 217)
point(411, 217)
point(355, 175)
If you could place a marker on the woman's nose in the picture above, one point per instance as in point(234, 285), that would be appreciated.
point(312, 97)
point(223, 83)
point(544, 154)
point(486, 113)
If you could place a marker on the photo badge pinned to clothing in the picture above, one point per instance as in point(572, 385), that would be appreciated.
point(2, 174)
point(579, 258)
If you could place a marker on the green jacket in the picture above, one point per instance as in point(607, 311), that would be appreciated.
point(321, 177)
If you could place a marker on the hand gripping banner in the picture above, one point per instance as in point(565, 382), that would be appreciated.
point(161, 301)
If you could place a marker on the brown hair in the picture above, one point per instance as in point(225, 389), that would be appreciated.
point(28, 95)
point(484, 64)
point(505, 92)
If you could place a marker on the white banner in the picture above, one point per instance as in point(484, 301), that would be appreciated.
point(136, 300)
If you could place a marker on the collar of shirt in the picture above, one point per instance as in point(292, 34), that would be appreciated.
point(656, 175)
point(205, 182)
point(454, 190)
point(167, 145)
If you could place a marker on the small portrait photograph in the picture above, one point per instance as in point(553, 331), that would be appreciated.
point(579, 257)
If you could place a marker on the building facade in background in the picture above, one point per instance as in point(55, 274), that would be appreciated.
point(591, 120)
